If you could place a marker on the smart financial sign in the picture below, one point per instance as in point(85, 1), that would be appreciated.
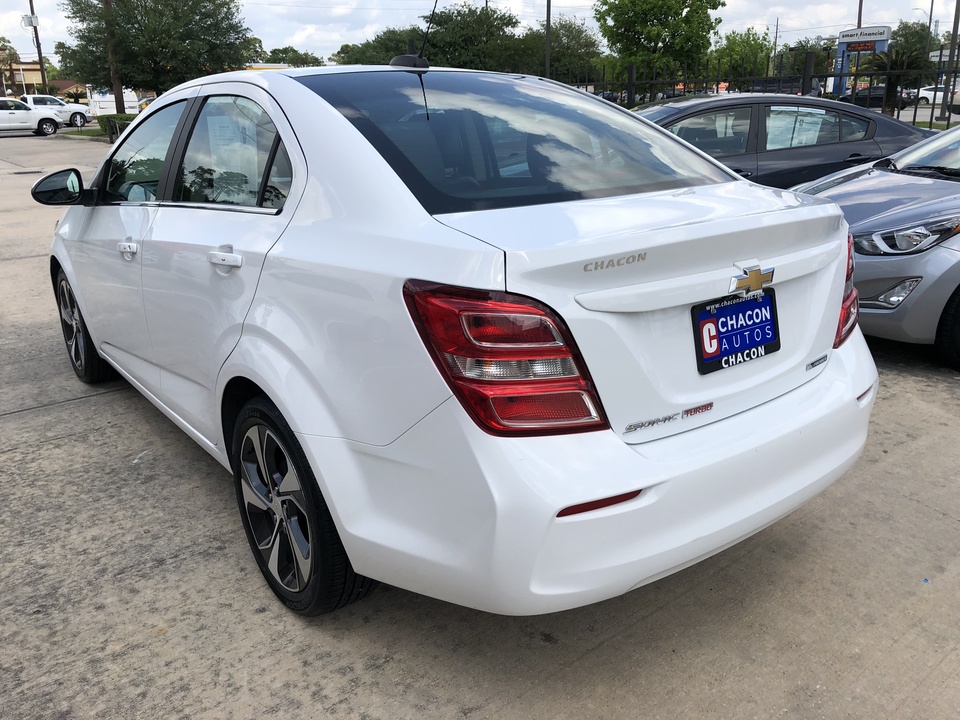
point(865, 34)
point(851, 42)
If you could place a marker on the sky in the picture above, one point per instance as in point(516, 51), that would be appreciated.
point(322, 26)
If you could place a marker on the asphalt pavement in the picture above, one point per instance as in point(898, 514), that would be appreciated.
point(128, 589)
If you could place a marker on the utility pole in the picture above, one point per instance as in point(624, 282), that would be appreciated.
point(776, 36)
point(36, 41)
point(547, 29)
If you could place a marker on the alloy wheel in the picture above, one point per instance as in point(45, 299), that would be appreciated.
point(274, 503)
point(71, 324)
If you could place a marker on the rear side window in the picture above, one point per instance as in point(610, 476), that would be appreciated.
point(793, 126)
point(469, 141)
point(234, 157)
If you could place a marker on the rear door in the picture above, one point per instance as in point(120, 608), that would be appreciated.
point(233, 194)
point(802, 143)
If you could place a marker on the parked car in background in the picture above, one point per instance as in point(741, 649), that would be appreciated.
point(69, 113)
point(782, 140)
point(874, 96)
point(102, 101)
point(904, 213)
point(465, 382)
point(934, 94)
point(16, 115)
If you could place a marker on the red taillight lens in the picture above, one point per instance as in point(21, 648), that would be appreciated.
point(509, 359)
point(850, 307)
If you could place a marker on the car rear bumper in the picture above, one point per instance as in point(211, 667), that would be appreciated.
point(454, 513)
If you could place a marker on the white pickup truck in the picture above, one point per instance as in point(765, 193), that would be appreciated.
point(70, 113)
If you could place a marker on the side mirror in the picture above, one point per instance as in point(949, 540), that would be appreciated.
point(61, 188)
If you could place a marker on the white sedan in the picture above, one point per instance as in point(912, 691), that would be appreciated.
point(479, 336)
point(933, 94)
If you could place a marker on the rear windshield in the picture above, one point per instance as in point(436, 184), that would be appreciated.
point(471, 141)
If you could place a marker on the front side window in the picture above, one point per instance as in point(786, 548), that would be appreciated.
point(720, 134)
point(471, 141)
point(233, 148)
point(135, 168)
point(793, 126)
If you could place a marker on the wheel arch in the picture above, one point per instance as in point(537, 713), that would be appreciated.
point(236, 393)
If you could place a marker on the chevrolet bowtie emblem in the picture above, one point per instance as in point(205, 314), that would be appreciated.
point(752, 281)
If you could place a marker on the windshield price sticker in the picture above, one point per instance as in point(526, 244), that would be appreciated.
point(734, 330)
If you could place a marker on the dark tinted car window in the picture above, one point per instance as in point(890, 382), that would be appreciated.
point(720, 133)
point(469, 141)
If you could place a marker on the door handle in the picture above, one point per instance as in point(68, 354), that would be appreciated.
point(128, 249)
point(226, 259)
point(743, 173)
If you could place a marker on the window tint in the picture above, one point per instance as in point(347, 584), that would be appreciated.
point(470, 141)
point(135, 168)
point(853, 128)
point(228, 153)
point(719, 134)
point(16, 105)
point(792, 126)
point(278, 183)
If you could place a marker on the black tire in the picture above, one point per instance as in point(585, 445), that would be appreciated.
point(46, 127)
point(923, 101)
point(948, 332)
point(282, 510)
point(84, 358)
point(78, 120)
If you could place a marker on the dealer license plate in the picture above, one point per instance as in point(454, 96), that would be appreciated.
point(733, 330)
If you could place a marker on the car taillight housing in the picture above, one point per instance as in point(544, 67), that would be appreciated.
point(850, 307)
point(510, 360)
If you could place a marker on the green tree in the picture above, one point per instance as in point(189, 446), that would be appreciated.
point(253, 50)
point(381, 49)
point(293, 57)
point(650, 32)
point(8, 56)
point(742, 55)
point(790, 60)
point(157, 43)
point(480, 38)
point(897, 64)
point(574, 50)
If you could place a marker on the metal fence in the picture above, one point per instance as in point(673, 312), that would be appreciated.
point(903, 100)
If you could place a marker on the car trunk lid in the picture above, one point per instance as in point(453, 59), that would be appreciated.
point(638, 278)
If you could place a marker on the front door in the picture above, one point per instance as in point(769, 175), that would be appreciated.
point(107, 251)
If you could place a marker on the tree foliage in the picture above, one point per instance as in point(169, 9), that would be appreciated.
point(483, 38)
point(914, 36)
point(742, 54)
point(480, 38)
point(381, 49)
point(293, 57)
point(790, 60)
point(157, 43)
point(8, 56)
point(649, 32)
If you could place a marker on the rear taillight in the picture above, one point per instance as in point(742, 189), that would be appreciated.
point(850, 308)
point(509, 360)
